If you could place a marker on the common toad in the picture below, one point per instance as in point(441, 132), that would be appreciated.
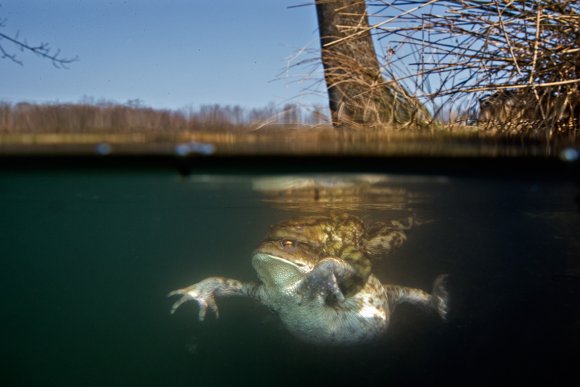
point(315, 273)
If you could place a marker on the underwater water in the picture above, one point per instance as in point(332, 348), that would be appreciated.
point(88, 257)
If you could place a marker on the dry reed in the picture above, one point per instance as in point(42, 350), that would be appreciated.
point(513, 64)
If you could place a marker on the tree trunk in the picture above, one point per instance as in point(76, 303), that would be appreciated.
point(358, 95)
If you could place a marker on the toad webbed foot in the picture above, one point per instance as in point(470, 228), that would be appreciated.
point(204, 292)
point(440, 296)
point(436, 301)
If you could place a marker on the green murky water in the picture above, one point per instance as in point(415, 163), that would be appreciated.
point(88, 256)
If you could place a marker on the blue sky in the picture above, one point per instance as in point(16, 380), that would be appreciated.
point(168, 53)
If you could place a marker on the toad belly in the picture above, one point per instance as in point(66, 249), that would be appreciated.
point(357, 319)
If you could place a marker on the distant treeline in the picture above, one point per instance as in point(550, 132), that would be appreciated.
point(133, 116)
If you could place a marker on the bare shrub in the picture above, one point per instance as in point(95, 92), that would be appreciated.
point(466, 51)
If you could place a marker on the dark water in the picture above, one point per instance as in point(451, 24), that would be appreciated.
point(88, 258)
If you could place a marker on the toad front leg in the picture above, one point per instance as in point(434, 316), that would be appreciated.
point(205, 292)
point(328, 279)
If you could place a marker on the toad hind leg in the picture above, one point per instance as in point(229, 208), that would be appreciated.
point(436, 301)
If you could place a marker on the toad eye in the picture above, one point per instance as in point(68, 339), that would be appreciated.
point(287, 244)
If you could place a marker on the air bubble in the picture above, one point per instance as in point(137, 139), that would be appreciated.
point(194, 148)
point(569, 154)
point(103, 149)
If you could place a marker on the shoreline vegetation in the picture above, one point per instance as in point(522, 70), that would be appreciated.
point(133, 116)
point(132, 128)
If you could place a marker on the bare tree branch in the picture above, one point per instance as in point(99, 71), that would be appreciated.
point(41, 49)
